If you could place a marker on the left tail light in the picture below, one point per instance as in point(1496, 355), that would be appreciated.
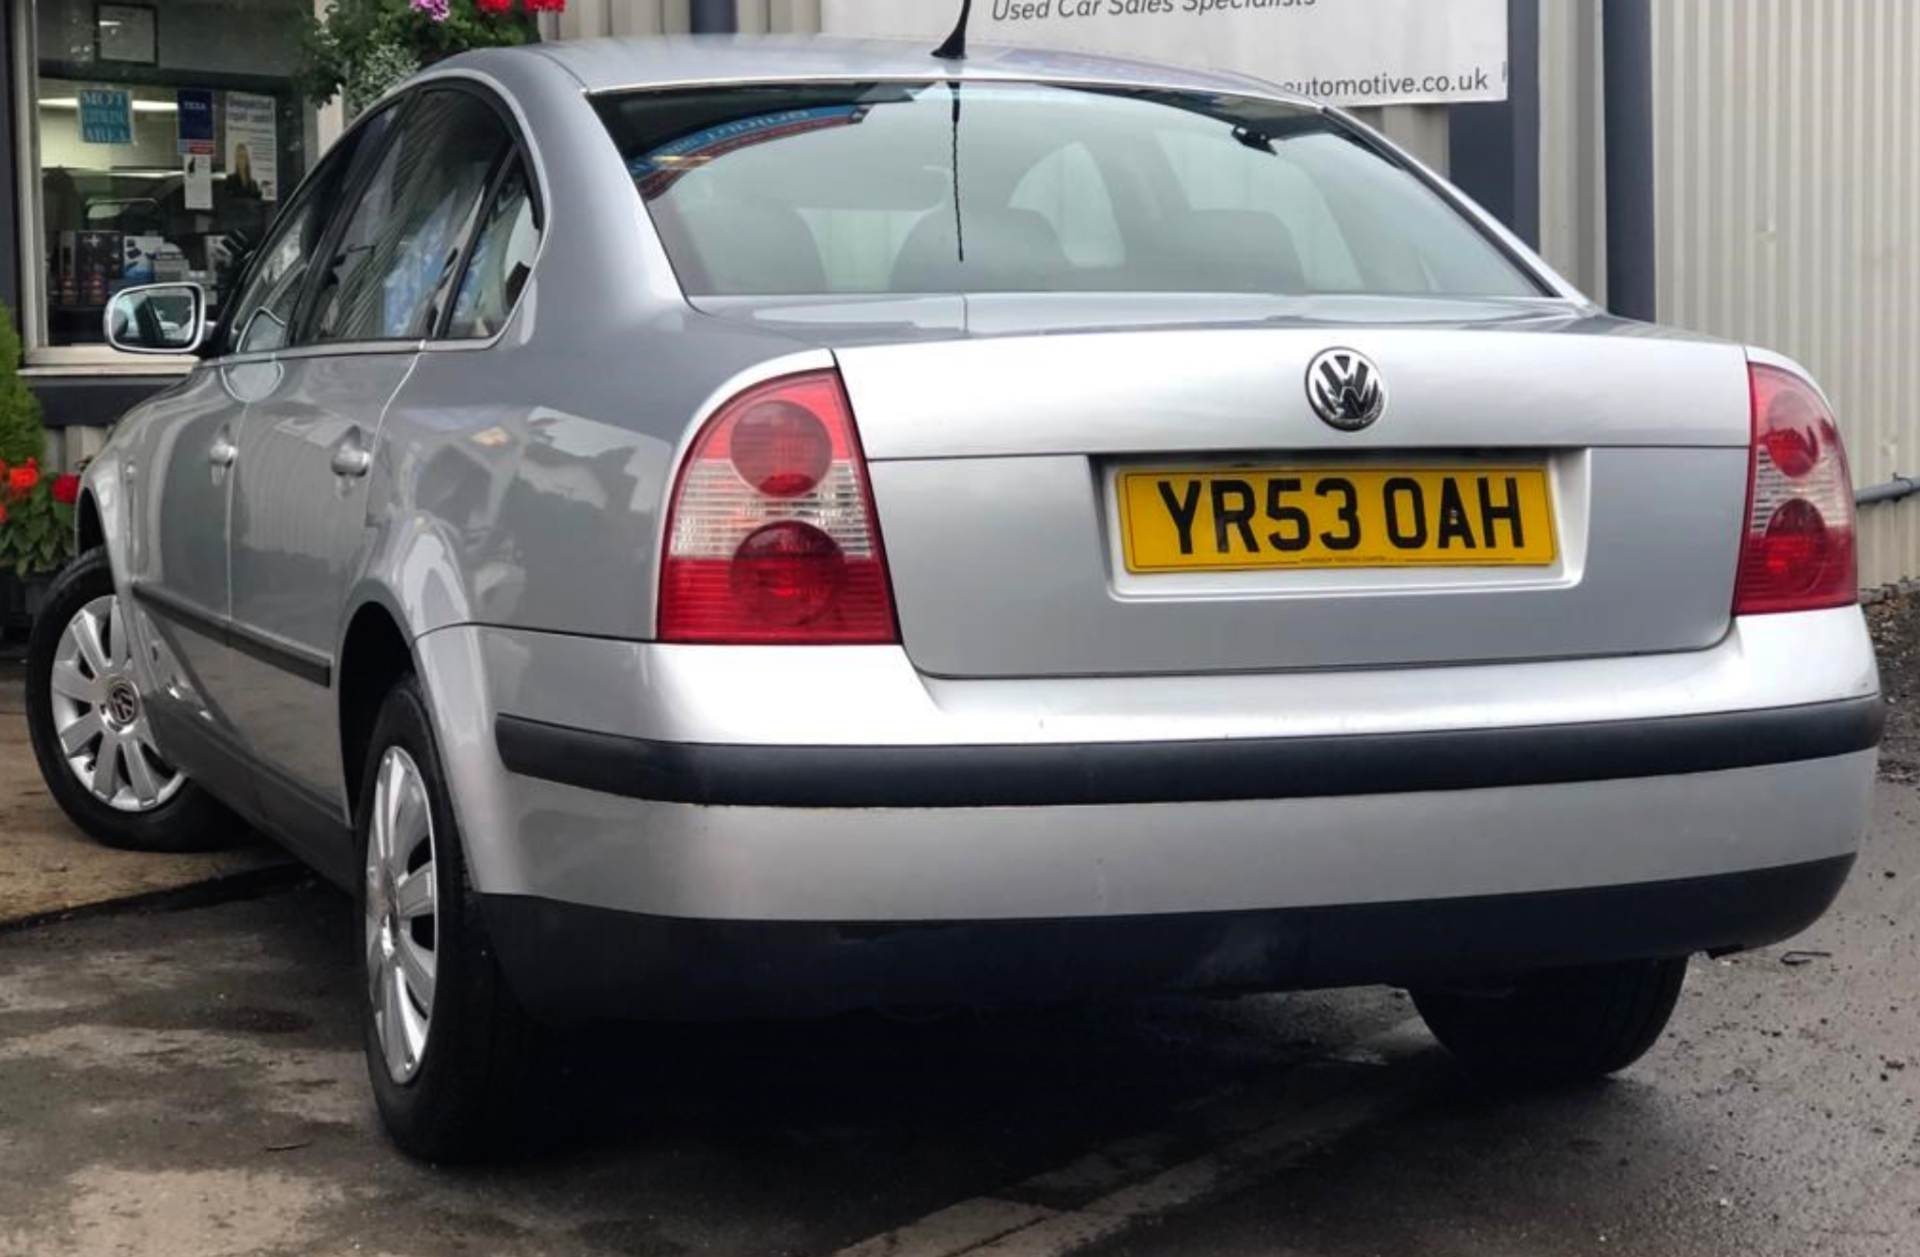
point(771, 532)
point(1798, 551)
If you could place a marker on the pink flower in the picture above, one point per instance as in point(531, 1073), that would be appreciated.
point(435, 9)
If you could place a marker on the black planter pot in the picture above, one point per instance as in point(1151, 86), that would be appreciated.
point(20, 600)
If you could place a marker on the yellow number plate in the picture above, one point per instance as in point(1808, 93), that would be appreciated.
point(1314, 517)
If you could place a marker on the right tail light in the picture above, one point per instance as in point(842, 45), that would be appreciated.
point(1797, 553)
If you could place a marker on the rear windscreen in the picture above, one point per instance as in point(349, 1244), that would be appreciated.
point(942, 187)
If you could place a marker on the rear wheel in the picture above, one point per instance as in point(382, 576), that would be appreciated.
point(448, 1047)
point(1565, 1025)
point(91, 735)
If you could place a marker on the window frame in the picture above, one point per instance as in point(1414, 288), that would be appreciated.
point(399, 109)
point(522, 149)
point(368, 165)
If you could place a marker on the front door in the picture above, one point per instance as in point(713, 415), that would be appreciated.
point(175, 564)
point(309, 455)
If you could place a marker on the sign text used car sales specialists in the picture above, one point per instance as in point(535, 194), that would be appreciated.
point(1349, 52)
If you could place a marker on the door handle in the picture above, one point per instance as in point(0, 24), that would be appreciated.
point(349, 459)
point(223, 451)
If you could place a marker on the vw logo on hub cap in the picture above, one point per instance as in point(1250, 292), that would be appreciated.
point(1346, 389)
point(123, 703)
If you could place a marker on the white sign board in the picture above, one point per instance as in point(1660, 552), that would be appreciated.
point(253, 146)
point(1348, 52)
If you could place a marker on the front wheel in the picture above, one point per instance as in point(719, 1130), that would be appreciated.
point(1566, 1025)
point(91, 736)
point(448, 1047)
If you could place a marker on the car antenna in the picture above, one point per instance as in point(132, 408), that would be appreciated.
point(959, 223)
point(955, 49)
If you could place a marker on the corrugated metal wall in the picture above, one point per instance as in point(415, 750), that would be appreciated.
point(1573, 184)
point(1787, 139)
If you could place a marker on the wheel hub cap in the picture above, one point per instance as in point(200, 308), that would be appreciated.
point(98, 716)
point(402, 914)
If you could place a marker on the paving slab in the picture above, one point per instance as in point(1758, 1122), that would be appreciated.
point(48, 868)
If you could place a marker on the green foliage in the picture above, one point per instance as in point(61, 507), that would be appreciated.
point(36, 528)
point(360, 45)
point(21, 436)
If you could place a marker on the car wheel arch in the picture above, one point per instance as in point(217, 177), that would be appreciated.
point(89, 530)
point(374, 654)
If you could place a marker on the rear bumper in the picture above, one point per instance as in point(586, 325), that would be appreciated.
point(571, 962)
point(819, 823)
point(1104, 773)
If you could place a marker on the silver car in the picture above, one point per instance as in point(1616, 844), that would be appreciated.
point(700, 529)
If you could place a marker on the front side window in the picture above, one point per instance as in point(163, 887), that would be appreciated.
point(168, 137)
point(939, 187)
point(395, 261)
point(261, 317)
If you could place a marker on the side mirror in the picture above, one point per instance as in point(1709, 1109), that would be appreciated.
point(157, 319)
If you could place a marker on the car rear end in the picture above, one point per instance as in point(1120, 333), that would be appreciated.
point(1185, 548)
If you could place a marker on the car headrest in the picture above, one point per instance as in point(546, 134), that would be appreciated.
point(736, 248)
point(1227, 250)
point(1008, 250)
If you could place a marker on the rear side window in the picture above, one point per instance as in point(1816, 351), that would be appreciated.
point(395, 261)
point(502, 259)
point(939, 187)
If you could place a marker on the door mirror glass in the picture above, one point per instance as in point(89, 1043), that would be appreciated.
point(157, 319)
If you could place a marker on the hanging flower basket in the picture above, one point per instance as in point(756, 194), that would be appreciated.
point(362, 48)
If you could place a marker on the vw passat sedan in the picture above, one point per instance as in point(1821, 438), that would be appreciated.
point(699, 529)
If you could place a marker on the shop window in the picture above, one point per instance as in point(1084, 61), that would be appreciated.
point(167, 135)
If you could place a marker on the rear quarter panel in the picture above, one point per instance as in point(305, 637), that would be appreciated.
point(520, 481)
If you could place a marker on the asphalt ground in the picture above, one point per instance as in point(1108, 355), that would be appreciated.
point(190, 1082)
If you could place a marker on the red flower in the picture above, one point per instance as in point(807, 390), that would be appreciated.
point(23, 479)
point(546, 6)
point(493, 6)
point(3, 512)
point(66, 489)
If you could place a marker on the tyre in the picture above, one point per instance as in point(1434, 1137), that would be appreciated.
point(1567, 1025)
point(90, 731)
point(448, 1047)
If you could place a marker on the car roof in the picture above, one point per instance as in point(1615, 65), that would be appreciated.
point(601, 65)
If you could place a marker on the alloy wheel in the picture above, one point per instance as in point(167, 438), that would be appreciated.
point(402, 915)
point(98, 715)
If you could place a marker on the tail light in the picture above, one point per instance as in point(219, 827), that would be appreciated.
point(1798, 550)
point(771, 534)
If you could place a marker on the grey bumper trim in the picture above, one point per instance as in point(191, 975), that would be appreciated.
point(1091, 774)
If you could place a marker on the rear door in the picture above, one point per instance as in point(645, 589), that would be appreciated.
point(308, 445)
